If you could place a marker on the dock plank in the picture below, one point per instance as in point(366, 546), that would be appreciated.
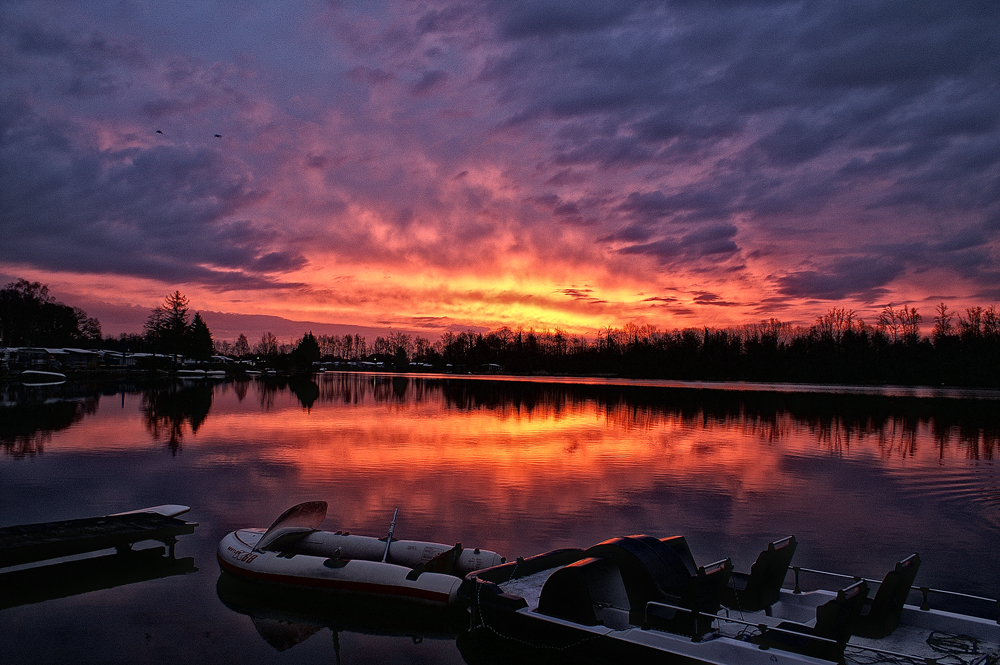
point(28, 543)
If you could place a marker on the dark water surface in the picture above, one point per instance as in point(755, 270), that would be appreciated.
point(860, 479)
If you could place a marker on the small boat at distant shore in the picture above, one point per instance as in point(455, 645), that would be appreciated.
point(190, 374)
point(640, 599)
point(294, 553)
point(36, 377)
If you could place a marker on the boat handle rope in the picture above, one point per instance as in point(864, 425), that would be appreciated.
point(924, 591)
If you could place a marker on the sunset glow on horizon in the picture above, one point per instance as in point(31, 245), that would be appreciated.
point(462, 164)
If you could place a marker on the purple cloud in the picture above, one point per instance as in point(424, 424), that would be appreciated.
point(583, 142)
point(864, 277)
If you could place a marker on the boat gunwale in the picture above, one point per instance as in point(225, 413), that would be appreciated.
point(917, 618)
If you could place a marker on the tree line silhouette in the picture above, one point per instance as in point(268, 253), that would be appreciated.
point(840, 347)
point(170, 330)
point(29, 316)
point(963, 348)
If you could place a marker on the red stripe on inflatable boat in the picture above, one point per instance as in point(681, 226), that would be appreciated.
point(337, 585)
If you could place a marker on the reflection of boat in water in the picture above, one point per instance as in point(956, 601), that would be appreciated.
point(294, 553)
point(36, 377)
point(285, 617)
point(71, 578)
point(643, 599)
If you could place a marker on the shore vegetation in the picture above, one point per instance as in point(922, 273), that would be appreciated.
point(961, 349)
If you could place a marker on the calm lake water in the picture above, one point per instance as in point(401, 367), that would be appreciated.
point(862, 479)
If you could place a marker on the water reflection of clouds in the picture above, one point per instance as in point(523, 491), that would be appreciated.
point(527, 467)
point(897, 427)
point(620, 460)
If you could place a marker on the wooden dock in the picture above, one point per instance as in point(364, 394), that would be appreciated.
point(29, 543)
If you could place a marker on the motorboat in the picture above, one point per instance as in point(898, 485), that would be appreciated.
point(35, 377)
point(294, 553)
point(643, 599)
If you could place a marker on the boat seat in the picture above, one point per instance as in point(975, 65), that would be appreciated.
point(651, 568)
point(761, 588)
point(880, 616)
point(589, 592)
point(835, 620)
point(701, 594)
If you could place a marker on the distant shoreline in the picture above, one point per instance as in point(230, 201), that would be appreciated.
point(880, 390)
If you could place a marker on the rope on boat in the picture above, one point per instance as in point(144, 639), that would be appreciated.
point(862, 656)
point(961, 650)
point(513, 570)
point(955, 650)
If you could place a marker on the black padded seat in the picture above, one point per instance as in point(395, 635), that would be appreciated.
point(701, 595)
point(761, 588)
point(650, 569)
point(835, 620)
point(880, 616)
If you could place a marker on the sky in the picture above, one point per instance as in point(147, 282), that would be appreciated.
point(550, 164)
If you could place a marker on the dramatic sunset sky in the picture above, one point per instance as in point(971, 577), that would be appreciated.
point(452, 164)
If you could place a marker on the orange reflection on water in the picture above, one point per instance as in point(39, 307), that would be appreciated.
point(567, 457)
point(501, 446)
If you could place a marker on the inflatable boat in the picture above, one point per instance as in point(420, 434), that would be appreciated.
point(294, 553)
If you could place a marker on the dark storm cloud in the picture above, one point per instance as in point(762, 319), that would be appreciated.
point(842, 69)
point(80, 65)
point(815, 150)
point(429, 82)
point(656, 206)
point(966, 239)
point(860, 276)
point(564, 212)
point(544, 18)
point(714, 241)
point(158, 212)
point(890, 106)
